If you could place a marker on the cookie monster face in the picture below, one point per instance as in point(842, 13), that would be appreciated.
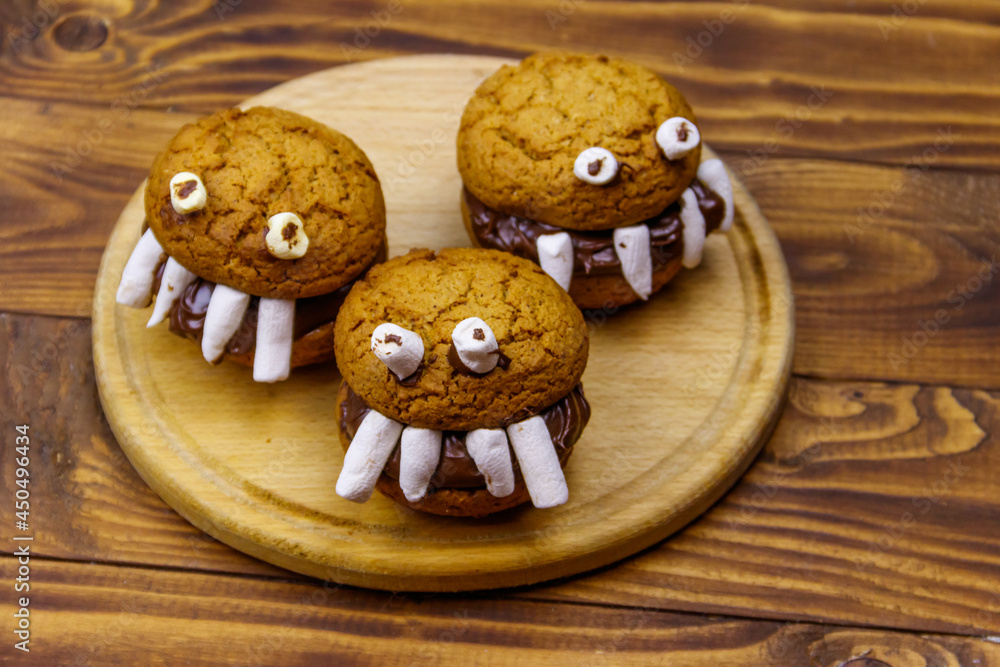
point(464, 356)
point(590, 166)
point(258, 223)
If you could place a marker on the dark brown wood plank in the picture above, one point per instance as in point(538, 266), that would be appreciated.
point(895, 272)
point(100, 614)
point(889, 80)
point(88, 500)
point(68, 172)
point(872, 504)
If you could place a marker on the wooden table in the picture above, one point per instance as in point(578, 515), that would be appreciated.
point(865, 534)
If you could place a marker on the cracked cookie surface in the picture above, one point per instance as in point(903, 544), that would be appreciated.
point(255, 164)
point(535, 322)
point(523, 129)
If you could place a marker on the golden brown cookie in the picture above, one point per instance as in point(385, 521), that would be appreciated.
point(462, 358)
point(525, 126)
point(255, 164)
point(535, 323)
point(257, 224)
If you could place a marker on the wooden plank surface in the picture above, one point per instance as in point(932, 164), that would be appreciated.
point(896, 272)
point(102, 614)
point(872, 504)
point(801, 537)
point(755, 71)
point(60, 203)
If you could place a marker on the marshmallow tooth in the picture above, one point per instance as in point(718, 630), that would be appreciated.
point(136, 287)
point(419, 454)
point(475, 345)
point(632, 248)
point(401, 350)
point(366, 457)
point(539, 462)
point(555, 254)
point(488, 449)
point(272, 358)
point(693, 230)
point(713, 175)
point(224, 316)
point(172, 285)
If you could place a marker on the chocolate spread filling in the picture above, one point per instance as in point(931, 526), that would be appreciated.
point(565, 419)
point(187, 315)
point(593, 252)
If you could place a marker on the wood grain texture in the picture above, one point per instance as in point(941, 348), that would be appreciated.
point(910, 74)
point(91, 502)
point(896, 272)
point(790, 557)
point(814, 531)
point(101, 614)
point(205, 438)
point(68, 170)
point(879, 500)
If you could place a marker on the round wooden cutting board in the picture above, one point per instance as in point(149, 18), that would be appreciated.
point(684, 388)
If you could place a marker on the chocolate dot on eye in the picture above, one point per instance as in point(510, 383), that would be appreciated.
point(682, 132)
point(478, 334)
point(288, 233)
point(393, 338)
point(594, 167)
point(185, 188)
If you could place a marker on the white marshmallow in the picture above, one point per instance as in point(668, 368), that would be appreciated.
point(555, 254)
point(172, 285)
point(136, 288)
point(286, 236)
point(539, 462)
point(419, 455)
point(488, 449)
point(272, 357)
point(605, 169)
point(366, 457)
point(669, 134)
point(193, 200)
point(713, 175)
point(399, 349)
point(225, 313)
point(694, 230)
point(476, 345)
point(632, 248)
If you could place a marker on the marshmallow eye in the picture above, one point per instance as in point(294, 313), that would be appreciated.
point(401, 350)
point(677, 137)
point(187, 193)
point(596, 166)
point(474, 349)
point(286, 236)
